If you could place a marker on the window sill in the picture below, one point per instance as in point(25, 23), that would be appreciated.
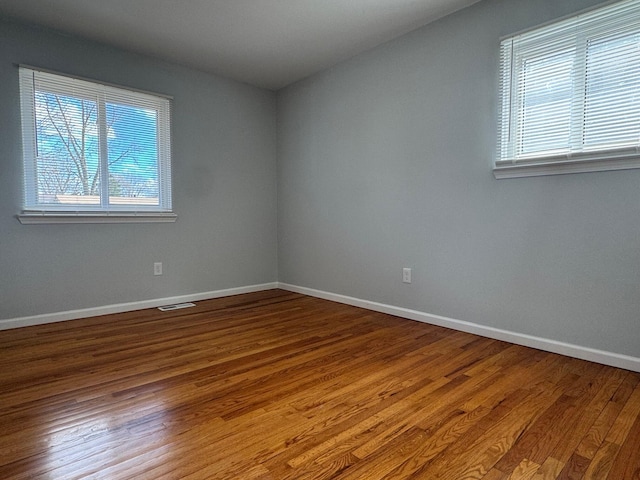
point(561, 167)
point(34, 218)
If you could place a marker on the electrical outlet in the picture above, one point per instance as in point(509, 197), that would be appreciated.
point(406, 275)
point(157, 268)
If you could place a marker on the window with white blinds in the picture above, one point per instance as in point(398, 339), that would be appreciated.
point(92, 149)
point(570, 95)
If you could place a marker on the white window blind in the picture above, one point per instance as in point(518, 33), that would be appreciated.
point(93, 148)
point(570, 95)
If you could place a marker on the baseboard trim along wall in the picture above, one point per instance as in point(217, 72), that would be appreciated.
point(577, 351)
point(128, 307)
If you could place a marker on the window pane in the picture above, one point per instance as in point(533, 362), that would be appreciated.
point(67, 150)
point(612, 105)
point(132, 155)
point(90, 147)
point(570, 95)
point(546, 103)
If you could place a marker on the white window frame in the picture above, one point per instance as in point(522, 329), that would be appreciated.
point(575, 32)
point(33, 79)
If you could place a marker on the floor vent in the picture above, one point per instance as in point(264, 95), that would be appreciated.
point(177, 306)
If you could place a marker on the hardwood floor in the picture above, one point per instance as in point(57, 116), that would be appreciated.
point(276, 385)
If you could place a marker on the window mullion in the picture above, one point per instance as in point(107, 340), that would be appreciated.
point(104, 152)
point(576, 139)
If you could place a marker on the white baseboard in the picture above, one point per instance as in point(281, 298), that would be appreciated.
point(577, 351)
point(128, 307)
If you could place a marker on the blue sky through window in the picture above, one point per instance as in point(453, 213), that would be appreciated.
point(68, 150)
point(132, 151)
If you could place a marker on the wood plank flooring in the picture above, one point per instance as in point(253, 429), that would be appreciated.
point(276, 385)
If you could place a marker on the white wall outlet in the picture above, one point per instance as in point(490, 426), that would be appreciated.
point(406, 275)
point(157, 268)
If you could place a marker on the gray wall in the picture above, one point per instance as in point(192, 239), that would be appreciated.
point(385, 162)
point(224, 190)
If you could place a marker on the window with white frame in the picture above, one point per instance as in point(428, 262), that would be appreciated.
point(570, 95)
point(93, 151)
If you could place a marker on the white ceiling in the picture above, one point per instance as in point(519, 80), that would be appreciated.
point(268, 43)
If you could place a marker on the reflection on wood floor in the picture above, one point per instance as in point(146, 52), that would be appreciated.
point(276, 385)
